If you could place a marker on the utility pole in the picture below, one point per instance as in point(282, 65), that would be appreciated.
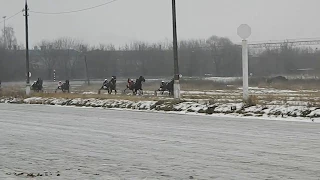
point(27, 50)
point(4, 32)
point(87, 72)
point(141, 59)
point(176, 85)
point(83, 51)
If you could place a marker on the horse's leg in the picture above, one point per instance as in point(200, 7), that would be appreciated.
point(99, 92)
point(115, 92)
point(172, 93)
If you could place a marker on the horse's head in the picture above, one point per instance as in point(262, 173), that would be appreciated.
point(113, 81)
point(170, 83)
point(142, 79)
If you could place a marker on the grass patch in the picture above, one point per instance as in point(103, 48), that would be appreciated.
point(252, 101)
point(12, 92)
point(95, 96)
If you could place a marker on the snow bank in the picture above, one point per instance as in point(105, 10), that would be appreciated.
point(200, 107)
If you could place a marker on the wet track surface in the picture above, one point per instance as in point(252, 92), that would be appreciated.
point(86, 143)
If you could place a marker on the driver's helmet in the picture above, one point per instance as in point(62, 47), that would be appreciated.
point(34, 82)
point(60, 82)
point(105, 80)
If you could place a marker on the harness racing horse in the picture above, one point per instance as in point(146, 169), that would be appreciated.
point(165, 86)
point(136, 86)
point(37, 86)
point(105, 86)
point(112, 85)
point(65, 87)
point(109, 86)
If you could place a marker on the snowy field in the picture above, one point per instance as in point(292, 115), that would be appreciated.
point(91, 143)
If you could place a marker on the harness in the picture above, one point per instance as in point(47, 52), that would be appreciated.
point(105, 83)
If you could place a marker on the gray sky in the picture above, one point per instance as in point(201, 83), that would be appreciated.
point(150, 20)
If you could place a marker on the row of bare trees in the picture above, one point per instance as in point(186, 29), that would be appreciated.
point(216, 56)
point(61, 55)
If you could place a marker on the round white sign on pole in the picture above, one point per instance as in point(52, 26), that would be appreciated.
point(29, 75)
point(244, 31)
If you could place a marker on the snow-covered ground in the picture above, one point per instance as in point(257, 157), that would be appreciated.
point(303, 112)
point(93, 143)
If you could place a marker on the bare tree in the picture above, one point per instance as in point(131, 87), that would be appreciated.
point(47, 56)
point(223, 52)
point(69, 52)
point(10, 38)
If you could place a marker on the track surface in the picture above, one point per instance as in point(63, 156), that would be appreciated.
point(83, 143)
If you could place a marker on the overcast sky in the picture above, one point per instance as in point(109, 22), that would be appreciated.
point(151, 20)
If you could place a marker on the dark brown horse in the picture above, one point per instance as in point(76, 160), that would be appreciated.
point(136, 86)
point(166, 86)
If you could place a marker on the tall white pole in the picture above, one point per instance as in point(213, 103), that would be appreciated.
point(245, 70)
point(244, 31)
